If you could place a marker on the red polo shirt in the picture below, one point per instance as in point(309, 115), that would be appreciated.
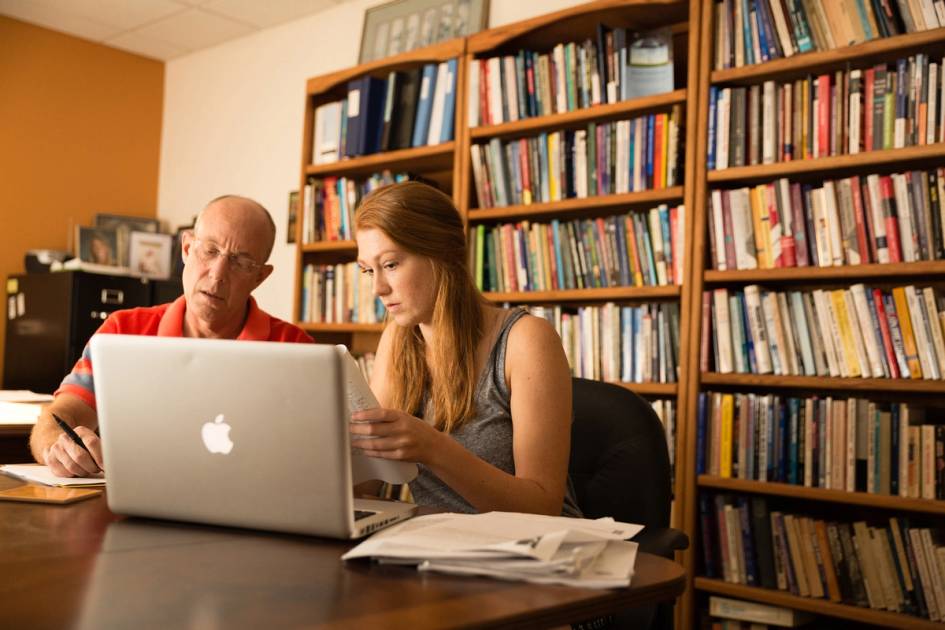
point(167, 320)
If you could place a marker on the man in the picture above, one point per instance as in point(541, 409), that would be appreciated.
point(224, 261)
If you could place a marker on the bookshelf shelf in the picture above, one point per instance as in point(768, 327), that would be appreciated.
point(650, 389)
point(817, 606)
point(919, 270)
point(437, 156)
point(893, 385)
point(344, 327)
point(813, 61)
point(861, 163)
point(585, 205)
point(585, 295)
point(598, 113)
point(927, 506)
point(334, 247)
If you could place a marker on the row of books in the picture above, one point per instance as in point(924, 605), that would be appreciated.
point(887, 106)
point(854, 332)
point(851, 221)
point(334, 294)
point(605, 158)
point(409, 108)
point(850, 444)
point(894, 566)
point(616, 67)
point(635, 249)
point(753, 31)
point(328, 204)
point(612, 342)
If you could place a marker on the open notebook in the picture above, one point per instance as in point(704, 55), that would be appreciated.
point(41, 474)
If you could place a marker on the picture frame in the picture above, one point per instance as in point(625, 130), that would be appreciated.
point(123, 226)
point(150, 255)
point(95, 245)
point(405, 25)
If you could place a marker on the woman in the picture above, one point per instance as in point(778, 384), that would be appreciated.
point(491, 385)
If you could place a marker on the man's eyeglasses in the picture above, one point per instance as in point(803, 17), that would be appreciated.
point(207, 253)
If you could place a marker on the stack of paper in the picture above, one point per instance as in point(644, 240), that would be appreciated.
point(510, 546)
point(45, 476)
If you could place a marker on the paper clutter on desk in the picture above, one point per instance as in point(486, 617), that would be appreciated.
point(511, 546)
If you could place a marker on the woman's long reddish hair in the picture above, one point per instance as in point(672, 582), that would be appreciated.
point(423, 221)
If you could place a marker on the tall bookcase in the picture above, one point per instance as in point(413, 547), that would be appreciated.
point(436, 163)
point(823, 503)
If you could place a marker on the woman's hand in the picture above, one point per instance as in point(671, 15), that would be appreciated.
point(392, 434)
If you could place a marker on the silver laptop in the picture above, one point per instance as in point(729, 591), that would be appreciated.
point(243, 433)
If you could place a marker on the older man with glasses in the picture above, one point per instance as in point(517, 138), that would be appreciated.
point(224, 261)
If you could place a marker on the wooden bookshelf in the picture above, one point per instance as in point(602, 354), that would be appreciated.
point(896, 503)
point(611, 111)
point(580, 206)
point(418, 159)
point(813, 62)
point(344, 327)
point(866, 162)
point(330, 247)
point(650, 389)
point(588, 295)
point(825, 383)
point(809, 170)
point(919, 271)
point(817, 606)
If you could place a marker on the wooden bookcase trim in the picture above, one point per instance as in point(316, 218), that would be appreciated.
point(437, 156)
point(662, 390)
point(812, 61)
point(333, 247)
point(598, 113)
point(860, 162)
point(345, 327)
point(880, 271)
point(817, 606)
point(434, 53)
point(644, 14)
point(927, 506)
point(600, 202)
point(896, 385)
point(582, 295)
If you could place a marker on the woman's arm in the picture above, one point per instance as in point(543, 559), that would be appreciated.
point(540, 382)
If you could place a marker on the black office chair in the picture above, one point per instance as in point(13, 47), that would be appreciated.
point(620, 467)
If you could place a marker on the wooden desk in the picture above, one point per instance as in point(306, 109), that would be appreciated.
point(14, 443)
point(81, 566)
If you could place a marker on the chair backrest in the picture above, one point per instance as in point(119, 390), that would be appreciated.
point(619, 461)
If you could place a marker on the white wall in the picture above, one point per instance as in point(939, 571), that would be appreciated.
point(233, 119)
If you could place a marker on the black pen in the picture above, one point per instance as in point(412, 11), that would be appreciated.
point(72, 435)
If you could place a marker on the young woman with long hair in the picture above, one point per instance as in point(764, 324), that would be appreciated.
point(479, 396)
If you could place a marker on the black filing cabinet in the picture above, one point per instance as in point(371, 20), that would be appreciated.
point(51, 316)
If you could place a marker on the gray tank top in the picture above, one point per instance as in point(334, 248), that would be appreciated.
point(488, 435)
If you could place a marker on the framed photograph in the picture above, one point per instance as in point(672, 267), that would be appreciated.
point(150, 255)
point(404, 25)
point(123, 227)
point(292, 223)
point(96, 245)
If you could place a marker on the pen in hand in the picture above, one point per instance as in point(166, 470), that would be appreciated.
point(72, 435)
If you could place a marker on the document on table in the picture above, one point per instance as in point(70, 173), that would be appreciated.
point(19, 412)
point(41, 474)
point(23, 396)
point(505, 545)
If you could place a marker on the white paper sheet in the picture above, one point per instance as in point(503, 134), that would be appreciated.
point(23, 396)
point(42, 474)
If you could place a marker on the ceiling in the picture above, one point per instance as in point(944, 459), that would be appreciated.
point(161, 29)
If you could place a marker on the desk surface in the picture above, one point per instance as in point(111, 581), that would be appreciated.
point(79, 565)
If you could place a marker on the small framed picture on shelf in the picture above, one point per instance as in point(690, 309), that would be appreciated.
point(150, 255)
point(405, 25)
point(123, 227)
point(95, 245)
point(291, 224)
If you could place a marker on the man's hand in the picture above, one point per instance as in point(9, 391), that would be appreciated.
point(65, 458)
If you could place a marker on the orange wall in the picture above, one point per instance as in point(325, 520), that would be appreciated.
point(80, 132)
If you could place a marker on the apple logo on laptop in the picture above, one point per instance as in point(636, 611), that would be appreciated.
point(216, 436)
